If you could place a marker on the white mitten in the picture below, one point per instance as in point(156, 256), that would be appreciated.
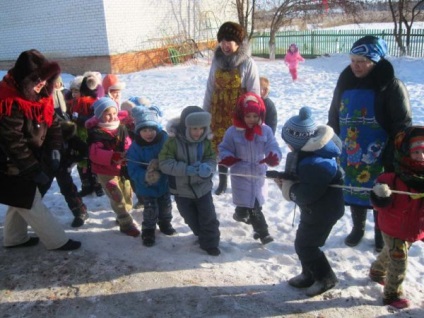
point(153, 165)
point(152, 177)
point(382, 190)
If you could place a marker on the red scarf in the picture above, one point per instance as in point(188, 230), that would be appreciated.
point(83, 105)
point(41, 111)
point(249, 132)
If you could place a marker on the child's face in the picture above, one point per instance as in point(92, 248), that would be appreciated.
point(251, 119)
point(75, 93)
point(196, 132)
point(417, 154)
point(115, 94)
point(292, 48)
point(109, 115)
point(148, 134)
point(228, 47)
point(264, 90)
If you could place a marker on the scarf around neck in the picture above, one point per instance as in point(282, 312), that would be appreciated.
point(42, 111)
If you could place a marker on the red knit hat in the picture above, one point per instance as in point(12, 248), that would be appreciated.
point(249, 103)
point(111, 82)
point(416, 143)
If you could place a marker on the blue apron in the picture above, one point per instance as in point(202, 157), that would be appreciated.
point(363, 143)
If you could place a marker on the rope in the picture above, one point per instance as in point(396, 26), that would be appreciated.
point(414, 196)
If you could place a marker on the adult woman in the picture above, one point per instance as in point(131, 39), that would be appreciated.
point(30, 139)
point(370, 105)
point(232, 73)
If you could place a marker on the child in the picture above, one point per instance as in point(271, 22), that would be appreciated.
point(248, 146)
point(270, 111)
point(400, 216)
point(108, 141)
point(313, 168)
point(292, 60)
point(113, 88)
point(82, 110)
point(189, 160)
point(143, 169)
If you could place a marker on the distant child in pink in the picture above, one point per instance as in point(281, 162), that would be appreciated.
point(292, 60)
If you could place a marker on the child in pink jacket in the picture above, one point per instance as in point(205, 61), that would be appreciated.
point(292, 60)
point(108, 141)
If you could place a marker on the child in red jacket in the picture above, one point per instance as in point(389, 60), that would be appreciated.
point(400, 216)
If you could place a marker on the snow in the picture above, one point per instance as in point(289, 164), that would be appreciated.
point(247, 279)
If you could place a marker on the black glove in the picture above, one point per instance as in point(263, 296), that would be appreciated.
point(55, 163)
point(41, 178)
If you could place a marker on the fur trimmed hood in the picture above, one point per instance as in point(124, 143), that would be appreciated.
point(172, 128)
point(325, 143)
point(228, 62)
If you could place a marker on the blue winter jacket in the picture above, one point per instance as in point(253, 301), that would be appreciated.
point(139, 155)
point(317, 170)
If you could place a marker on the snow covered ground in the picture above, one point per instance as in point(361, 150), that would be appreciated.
point(114, 275)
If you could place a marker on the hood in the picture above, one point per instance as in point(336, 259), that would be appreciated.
point(325, 143)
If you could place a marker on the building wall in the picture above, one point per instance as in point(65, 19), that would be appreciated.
point(80, 33)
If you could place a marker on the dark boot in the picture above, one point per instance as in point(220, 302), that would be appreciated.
point(378, 238)
point(222, 186)
point(242, 215)
point(86, 187)
point(323, 275)
point(303, 280)
point(260, 227)
point(148, 237)
point(359, 215)
point(166, 228)
point(80, 215)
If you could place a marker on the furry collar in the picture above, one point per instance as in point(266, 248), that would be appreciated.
point(228, 62)
point(378, 79)
point(323, 136)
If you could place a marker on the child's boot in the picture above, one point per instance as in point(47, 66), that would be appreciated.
point(378, 238)
point(148, 237)
point(359, 216)
point(259, 225)
point(303, 280)
point(80, 216)
point(166, 228)
point(86, 187)
point(324, 277)
point(242, 215)
point(222, 186)
point(396, 301)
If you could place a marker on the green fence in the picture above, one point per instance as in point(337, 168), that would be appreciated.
point(321, 42)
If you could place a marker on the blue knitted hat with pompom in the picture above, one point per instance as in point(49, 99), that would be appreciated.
point(298, 129)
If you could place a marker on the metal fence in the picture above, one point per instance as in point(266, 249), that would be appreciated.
point(321, 42)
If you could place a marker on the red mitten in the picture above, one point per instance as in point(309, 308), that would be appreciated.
point(118, 157)
point(271, 160)
point(229, 161)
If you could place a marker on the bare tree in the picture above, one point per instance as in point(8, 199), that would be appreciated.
point(246, 13)
point(404, 12)
point(284, 11)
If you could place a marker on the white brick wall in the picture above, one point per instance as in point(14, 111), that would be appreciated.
point(76, 28)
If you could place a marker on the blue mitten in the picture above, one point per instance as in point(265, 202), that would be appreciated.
point(205, 170)
point(191, 171)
